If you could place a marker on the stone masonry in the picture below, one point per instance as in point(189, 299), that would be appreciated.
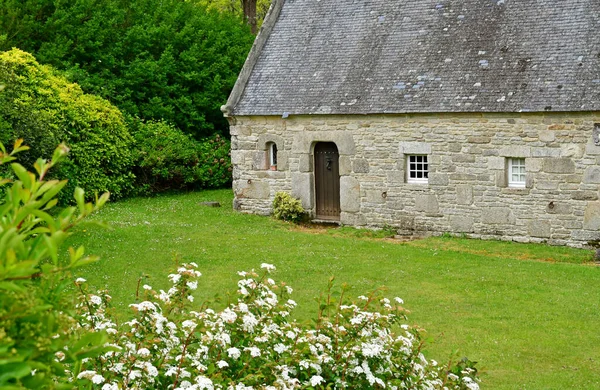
point(467, 191)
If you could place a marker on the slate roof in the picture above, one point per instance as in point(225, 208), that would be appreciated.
point(410, 56)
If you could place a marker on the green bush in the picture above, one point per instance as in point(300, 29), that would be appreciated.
point(288, 208)
point(43, 108)
point(166, 158)
point(158, 60)
point(40, 342)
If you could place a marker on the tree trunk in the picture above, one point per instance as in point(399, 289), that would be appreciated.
point(250, 14)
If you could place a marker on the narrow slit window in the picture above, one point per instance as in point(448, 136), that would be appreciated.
point(272, 150)
point(516, 172)
point(417, 169)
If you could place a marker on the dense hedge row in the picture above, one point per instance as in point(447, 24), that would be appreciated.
point(168, 159)
point(109, 152)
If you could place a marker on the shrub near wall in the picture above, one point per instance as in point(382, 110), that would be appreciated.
point(168, 159)
point(43, 108)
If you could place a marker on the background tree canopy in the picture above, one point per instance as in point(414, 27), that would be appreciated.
point(253, 11)
point(172, 60)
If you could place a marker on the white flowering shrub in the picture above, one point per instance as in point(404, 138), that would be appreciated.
point(254, 344)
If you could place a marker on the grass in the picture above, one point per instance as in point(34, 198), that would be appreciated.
point(529, 314)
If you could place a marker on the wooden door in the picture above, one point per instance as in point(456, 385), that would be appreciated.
point(327, 181)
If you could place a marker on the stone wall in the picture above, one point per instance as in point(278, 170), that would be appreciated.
point(467, 191)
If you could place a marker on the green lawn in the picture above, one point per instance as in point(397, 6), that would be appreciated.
point(529, 314)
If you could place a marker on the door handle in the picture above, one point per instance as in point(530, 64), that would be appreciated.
point(329, 161)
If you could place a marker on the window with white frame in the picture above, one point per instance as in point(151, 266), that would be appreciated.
point(417, 169)
point(272, 155)
point(516, 172)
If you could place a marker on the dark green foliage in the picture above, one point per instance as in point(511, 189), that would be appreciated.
point(168, 159)
point(44, 109)
point(169, 60)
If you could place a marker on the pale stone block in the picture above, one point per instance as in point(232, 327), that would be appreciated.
point(533, 164)
point(544, 152)
point(462, 224)
point(463, 177)
point(302, 188)
point(375, 196)
point(463, 158)
point(496, 163)
point(264, 139)
point(454, 147)
point(303, 141)
point(592, 175)
point(259, 160)
point(529, 180)
point(254, 190)
point(546, 185)
point(541, 229)
point(584, 195)
point(547, 136)
point(591, 219)
point(360, 165)
point(349, 194)
point(592, 149)
point(427, 203)
point(282, 161)
point(582, 235)
point(571, 150)
point(415, 148)
point(479, 140)
point(501, 179)
point(464, 194)
point(438, 179)
point(237, 157)
point(352, 219)
point(559, 208)
point(305, 163)
point(395, 178)
point(558, 165)
point(515, 151)
point(496, 215)
point(345, 166)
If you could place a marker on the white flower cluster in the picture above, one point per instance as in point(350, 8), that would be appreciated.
point(253, 344)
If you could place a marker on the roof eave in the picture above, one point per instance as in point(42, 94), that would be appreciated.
point(253, 56)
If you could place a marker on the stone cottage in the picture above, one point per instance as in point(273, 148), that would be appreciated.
point(474, 117)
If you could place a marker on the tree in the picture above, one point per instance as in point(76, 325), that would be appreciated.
point(253, 11)
point(171, 60)
point(250, 14)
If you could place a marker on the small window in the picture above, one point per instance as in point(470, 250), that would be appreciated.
point(272, 152)
point(516, 172)
point(417, 169)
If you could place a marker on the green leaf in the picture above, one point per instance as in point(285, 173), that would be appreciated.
point(22, 174)
point(10, 286)
point(11, 371)
point(79, 196)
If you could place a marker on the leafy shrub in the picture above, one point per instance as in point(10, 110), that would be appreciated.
point(253, 343)
point(158, 60)
point(39, 335)
point(166, 158)
point(43, 108)
point(288, 208)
